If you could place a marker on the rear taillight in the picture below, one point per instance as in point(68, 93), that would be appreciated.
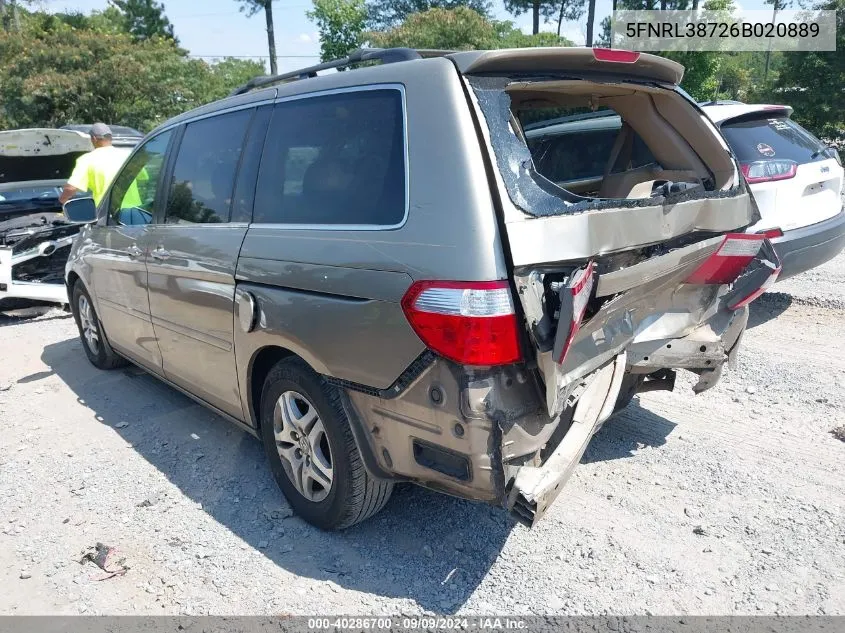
point(724, 266)
point(574, 304)
point(770, 234)
point(615, 55)
point(769, 170)
point(744, 301)
point(469, 322)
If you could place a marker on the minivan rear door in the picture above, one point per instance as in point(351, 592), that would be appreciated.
point(620, 266)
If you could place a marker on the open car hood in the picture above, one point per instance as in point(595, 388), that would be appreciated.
point(40, 154)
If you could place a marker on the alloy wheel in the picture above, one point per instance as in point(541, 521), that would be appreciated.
point(89, 325)
point(303, 445)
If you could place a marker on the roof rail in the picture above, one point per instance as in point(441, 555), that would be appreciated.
point(384, 55)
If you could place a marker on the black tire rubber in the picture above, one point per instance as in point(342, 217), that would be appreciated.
point(106, 357)
point(355, 495)
point(630, 385)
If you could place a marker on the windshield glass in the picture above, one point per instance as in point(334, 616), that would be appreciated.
point(28, 193)
point(777, 137)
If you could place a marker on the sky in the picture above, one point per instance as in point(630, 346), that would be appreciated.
point(216, 28)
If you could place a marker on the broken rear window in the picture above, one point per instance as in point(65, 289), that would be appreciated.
point(568, 146)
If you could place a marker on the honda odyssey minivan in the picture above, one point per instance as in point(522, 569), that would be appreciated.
point(368, 271)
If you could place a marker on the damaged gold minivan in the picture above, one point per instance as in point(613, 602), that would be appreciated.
point(370, 271)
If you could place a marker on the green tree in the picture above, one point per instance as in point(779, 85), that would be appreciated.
point(459, 29)
point(231, 72)
point(812, 82)
point(144, 19)
point(341, 25)
point(385, 14)
point(55, 74)
point(538, 8)
point(251, 7)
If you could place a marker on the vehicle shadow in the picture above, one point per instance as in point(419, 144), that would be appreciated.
point(626, 433)
point(16, 316)
point(423, 546)
point(769, 306)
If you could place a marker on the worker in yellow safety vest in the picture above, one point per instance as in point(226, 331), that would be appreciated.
point(95, 170)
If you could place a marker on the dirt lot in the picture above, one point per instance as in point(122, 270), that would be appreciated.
point(729, 502)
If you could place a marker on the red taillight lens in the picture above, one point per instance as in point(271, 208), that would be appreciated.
point(769, 170)
point(771, 233)
point(724, 266)
point(580, 289)
point(615, 55)
point(749, 298)
point(471, 323)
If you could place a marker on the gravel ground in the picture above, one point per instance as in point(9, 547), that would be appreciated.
point(729, 502)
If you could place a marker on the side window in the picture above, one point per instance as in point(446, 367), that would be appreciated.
point(133, 195)
point(203, 179)
point(334, 159)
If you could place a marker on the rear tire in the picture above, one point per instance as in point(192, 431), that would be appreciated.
point(94, 340)
point(312, 452)
point(630, 384)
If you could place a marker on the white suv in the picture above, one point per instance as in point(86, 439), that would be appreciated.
point(796, 180)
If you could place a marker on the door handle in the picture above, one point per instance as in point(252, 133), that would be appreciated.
point(134, 251)
point(160, 253)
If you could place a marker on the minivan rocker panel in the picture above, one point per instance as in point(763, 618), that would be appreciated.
point(409, 298)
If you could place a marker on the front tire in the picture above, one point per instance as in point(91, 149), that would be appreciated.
point(312, 452)
point(94, 341)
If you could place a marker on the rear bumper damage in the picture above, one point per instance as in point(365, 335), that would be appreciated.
point(533, 489)
point(704, 351)
point(512, 435)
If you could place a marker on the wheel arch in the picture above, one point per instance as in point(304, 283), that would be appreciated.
point(262, 361)
point(72, 278)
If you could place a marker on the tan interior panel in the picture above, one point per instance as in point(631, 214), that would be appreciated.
point(680, 141)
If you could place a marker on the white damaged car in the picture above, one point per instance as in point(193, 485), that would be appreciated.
point(35, 238)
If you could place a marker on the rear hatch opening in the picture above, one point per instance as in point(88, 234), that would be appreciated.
point(610, 249)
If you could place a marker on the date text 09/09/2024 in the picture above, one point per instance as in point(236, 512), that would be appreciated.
point(417, 623)
point(721, 29)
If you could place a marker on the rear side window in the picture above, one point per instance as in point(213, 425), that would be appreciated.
point(336, 159)
point(204, 173)
point(776, 138)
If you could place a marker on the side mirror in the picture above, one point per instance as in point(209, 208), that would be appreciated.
point(80, 210)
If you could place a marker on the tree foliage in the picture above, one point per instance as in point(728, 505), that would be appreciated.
point(814, 82)
point(144, 19)
point(341, 25)
point(545, 10)
point(64, 69)
point(459, 29)
point(251, 7)
point(386, 14)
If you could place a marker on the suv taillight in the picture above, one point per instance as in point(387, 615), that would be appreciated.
point(769, 170)
point(469, 322)
point(724, 266)
point(734, 255)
